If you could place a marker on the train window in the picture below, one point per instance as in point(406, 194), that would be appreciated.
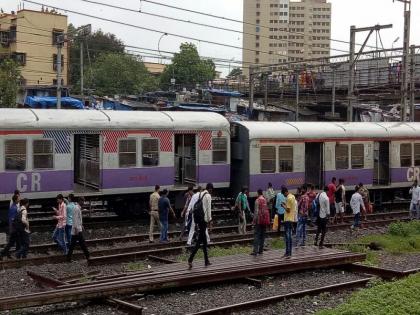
point(127, 153)
point(219, 150)
point(285, 159)
point(268, 159)
point(417, 154)
point(15, 155)
point(150, 152)
point(342, 157)
point(357, 156)
point(406, 154)
point(43, 154)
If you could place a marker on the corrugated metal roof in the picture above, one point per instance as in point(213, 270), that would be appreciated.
point(24, 119)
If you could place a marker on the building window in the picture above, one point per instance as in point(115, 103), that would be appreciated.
point(150, 152)
point(257, 60)
point(55, 62)
point(219, 150)
point(342, 157)
point(57, 36)
point(12, 34)
point(20, 58)
point(357, 156)
point(406, 154)
point(43, 154)
point(257, 29)
point(127, 153)
point(258, 5)
point(268, 159)
point(15, 155)
point(416, 154)
point(285, 159)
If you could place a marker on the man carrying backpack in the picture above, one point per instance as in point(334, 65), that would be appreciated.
point(22, 228)
point(202, 217)
point(261, 221)
point(189, 213)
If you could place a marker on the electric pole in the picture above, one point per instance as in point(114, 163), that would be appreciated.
point(60, 43)
point(297, 94)
point(412, 82)
point(251, 91)
point(81, 69)
point(404, 63)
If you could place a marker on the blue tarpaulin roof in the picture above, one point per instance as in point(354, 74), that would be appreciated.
point(51, 102)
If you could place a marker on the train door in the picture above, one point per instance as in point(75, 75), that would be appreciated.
point(86, 162)
point(381, 174)
point(314, 164)
point(185, 159)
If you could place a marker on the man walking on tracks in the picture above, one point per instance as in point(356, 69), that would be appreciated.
point(202, 217)
point(154, 212)
point(415, 201)
point(332, 188)
point(356, 204)
point(77, 230)
point(61, 217)
point(13, 233)
point(289, 219)
point(22, 227)
point(184, 214)
point(303, 211)
point(194, 199)
point(164, 208)
point(261, 221)
point(323, 202)
point(243, 208)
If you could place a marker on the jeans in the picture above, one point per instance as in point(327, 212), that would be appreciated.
point(68, 234)
point(164, 231)
point(78, 238)
point(301, 231)
point(58, 237)
point(414, 210)
point(356, 220)
point(259, 238)
point(321, 229)
point(24, 241)
point(202, 239)
point(288, 226)
point(14, 240)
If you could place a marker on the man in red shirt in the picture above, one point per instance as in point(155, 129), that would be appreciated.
point(332, 187)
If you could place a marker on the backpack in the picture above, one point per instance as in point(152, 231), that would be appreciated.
point(17, 223)
point(263, 212)
point(316, 206)
point(198, 211)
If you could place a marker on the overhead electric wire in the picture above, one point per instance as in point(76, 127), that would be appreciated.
point(234, 20)
point(198, 23)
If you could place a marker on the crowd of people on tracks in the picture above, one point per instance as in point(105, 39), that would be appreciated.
point(67, 233)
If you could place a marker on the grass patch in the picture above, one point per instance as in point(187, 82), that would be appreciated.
point(277, 243)
point(135, 266)
point(393, 298)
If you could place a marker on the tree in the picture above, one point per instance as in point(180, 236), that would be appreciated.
point(235, 73)
point(9, 83)
point(188, 68)
point(95, 44)
point(119, 73)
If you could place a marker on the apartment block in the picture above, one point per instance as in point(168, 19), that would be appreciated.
point(280, 31)
point(30, 38)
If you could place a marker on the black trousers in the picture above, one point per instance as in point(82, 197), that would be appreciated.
point(78, 238)
point(322, 229)
point(259, 237)
point(14, 240)
point(202, 239)
point(24, 241)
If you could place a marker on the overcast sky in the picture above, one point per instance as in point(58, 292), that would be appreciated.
point(344, 13)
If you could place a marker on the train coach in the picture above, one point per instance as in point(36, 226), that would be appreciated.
point(115, 156)
point(383, 156)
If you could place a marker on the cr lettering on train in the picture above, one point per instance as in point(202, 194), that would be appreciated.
point(413, 173)
point(24, 181)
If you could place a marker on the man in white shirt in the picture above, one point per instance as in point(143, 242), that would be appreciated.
point(415, 201)
point(356, 202)
point(322, 220)
point(205, 196)
point(194, 199)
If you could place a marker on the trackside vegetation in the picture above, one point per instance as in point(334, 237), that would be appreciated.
point(392, 298)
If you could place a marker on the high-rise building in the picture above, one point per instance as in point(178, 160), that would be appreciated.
point(279, 31)
point(30, 38)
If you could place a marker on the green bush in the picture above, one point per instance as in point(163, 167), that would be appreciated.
point(404, 229)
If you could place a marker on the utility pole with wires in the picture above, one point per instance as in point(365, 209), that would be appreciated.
point(404, 63)
point(60, 42)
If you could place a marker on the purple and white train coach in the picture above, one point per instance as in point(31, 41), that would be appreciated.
point(110, 153)
point(380, 155)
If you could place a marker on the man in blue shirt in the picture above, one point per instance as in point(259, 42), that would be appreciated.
point(164, 208)
point(280, 203)
point(69, 222)
point(13, 236)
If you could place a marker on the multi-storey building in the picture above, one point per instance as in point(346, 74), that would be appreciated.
point(30, 38)
point(280, 31)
